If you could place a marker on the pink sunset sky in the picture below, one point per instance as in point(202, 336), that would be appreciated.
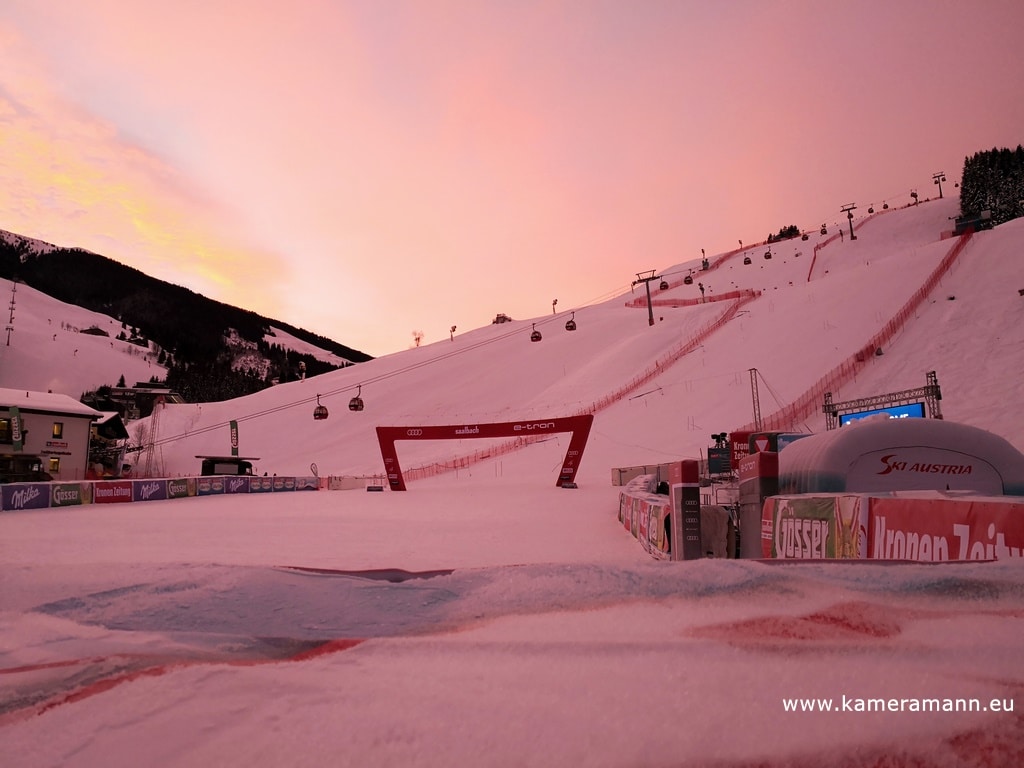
point(370, 169)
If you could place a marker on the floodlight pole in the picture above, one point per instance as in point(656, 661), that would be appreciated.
point(10, 322)
point(645, 278)
point(938, 178)
point(848, 209)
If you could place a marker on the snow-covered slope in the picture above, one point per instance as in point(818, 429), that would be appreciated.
point(806, 320)
point(47, 350)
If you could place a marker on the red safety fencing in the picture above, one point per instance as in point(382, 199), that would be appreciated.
point(740, 298)
point(819, 246)
point(812, 400)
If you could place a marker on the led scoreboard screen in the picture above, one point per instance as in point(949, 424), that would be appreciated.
point(914, 410)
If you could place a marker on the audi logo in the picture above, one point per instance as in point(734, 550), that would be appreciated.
point(413, 432)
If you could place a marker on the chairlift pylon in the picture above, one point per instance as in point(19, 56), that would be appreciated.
point(356, 403)
point(320, 412)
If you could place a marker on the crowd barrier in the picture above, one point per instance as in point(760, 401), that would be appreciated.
point(22, 496)
point(922, 526)
point(645, 515)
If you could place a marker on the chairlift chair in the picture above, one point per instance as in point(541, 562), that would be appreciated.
point(570, 324)
point(885, 206)
point(356, 403)
point(824, 229)
point(746, 260)
point(320, 412)
point(688, 280)
point(664, 285)
point(535, 336)
point(871, 209)
point(767, 254)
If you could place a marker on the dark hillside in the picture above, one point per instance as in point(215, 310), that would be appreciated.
point(189, 327)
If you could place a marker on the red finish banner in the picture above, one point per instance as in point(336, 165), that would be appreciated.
point(579, 426)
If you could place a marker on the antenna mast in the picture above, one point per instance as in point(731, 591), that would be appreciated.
point(756, 399)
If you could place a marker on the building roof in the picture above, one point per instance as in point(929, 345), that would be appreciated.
point(45, 402)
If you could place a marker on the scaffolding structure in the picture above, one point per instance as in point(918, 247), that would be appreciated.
point(929, 394)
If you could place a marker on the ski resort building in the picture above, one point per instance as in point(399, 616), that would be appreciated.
point(43, 434)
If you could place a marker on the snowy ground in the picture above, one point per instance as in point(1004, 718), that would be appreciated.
point(538, 634)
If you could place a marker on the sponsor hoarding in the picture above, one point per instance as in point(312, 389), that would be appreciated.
point(112, 491)
point(149, 490)
point(70, 494)
point(18, 496)
point(815, 527)
point(181, 488)
point(261, 484)
point(236, 485)
point(209, 486)
point(933, 530)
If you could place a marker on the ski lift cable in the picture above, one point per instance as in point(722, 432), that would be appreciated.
point(372, 380)
point(771, 391)
point(385, 376)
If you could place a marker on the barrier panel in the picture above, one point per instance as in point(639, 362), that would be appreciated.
point(921, 527)
point(112, 491)
point(261, 484)
point(70, 494)
point(181, 488)
point(938, 529)
point(818, 527)
point(645, 516)
point(23, 496)
point(236, 485)
point(18, 496)
point(149, 490)
point(209, 486)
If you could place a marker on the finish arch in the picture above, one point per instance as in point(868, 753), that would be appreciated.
point(579, 426)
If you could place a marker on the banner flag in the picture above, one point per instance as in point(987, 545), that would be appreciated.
point(17, 438)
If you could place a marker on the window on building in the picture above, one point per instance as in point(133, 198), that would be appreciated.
point(54, 465)
point(58, 430)
point(5, 431)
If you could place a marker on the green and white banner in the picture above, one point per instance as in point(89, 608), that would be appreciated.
point(17, 437)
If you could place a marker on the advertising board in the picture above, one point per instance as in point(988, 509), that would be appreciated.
point(912, 410)
point(935, 530)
